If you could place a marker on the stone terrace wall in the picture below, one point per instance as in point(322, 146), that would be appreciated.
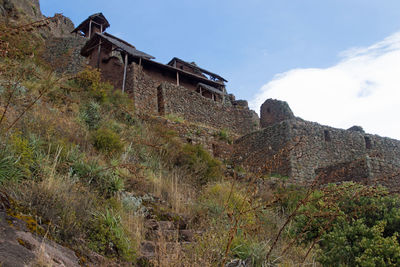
point(265, 151)
point(196, 135)
point(143, 90)
point(309, 148)
point(324, 146)
point(63, 53)
point(357, 171)
point(149, 94)
point(196, 108)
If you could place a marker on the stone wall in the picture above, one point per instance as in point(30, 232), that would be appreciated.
point(143, 90)
point(265, 151)
point(63, 53)
point(357, 171)
point(194, 134)
point(193, 107)
point(160, 98)
point(309, 148)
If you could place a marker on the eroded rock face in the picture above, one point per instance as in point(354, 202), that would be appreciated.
point(274, 111)
point(17, 12)
point(19, 9)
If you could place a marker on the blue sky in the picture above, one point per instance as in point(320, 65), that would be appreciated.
point(258, 44)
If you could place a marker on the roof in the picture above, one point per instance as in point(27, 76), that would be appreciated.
point(193, 65)
point(98, 18)
point(184, 73)
point(121, 44)
point(210, 88)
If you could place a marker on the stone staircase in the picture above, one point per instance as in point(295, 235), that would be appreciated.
point(163, 238)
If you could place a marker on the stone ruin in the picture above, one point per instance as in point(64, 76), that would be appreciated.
point(286, 145)
point(273, 111)
point(180, 88)
point(303, 151)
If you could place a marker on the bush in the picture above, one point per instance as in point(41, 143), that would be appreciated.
point(106, 181)
point(91, 115)
point(355, 225)
point(9, 171)
point(220, 199)
point(23, 153)
point(90, 80)
point(61, 202)
point(224, 136)
point(108, 236)
point(107, 141)
point(200, 162)
point(249, 250)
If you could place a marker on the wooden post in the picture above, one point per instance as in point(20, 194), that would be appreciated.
point(125, 66)
point(140, 61)
point(177, 78)
point(101, 28)
point(98, 54)
point(90, 29)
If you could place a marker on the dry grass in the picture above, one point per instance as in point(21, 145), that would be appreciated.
point(170, 187)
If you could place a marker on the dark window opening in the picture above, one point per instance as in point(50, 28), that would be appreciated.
point(268, 110)
point(160, 101)
point(368, 143)
point(327, 136)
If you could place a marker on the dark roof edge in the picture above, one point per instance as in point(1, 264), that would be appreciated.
point(130, 49)
point(107, 24)
point(171, 68)
point(194, 66)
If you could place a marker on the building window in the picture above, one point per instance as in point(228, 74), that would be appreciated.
point(368, 143)
point(327, 136)
point(268, 110)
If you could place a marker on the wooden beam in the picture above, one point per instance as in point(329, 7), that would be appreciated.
point(90, 29)
point(125, 67)
point(177, 78)
point(98, 55)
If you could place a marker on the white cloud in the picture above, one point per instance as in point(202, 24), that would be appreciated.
point(362, 89)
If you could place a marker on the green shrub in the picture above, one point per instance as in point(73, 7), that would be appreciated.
point(196, 159)
point(90, 114)
point(23, 153)
point(105, 180)
point(355, 225)
point(90, 80)
point(222, 198)
point(108, 236)
point(245, 248)
point(9, 171)
point(224, 136)
point(64, 203)
point(107, 141)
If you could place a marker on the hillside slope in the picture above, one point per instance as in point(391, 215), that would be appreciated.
point(85, 180)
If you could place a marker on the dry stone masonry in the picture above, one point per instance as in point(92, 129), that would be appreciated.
point(303, 150)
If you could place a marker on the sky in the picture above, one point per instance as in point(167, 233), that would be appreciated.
point(336, 62)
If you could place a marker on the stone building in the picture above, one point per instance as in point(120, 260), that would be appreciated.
point(303, 150)
point(178, 87)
